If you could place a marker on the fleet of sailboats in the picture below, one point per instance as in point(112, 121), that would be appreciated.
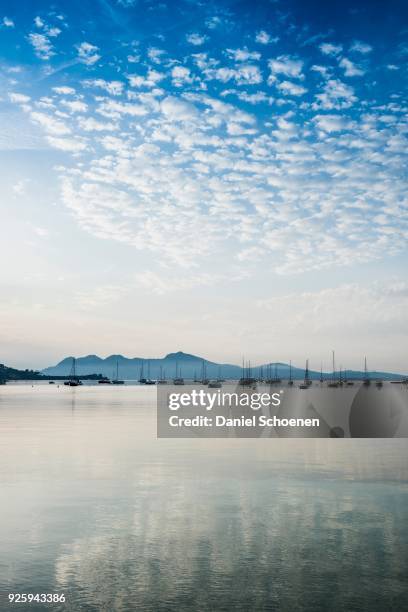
point(247, 379)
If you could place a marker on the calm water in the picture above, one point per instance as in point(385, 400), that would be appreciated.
point(94, 506)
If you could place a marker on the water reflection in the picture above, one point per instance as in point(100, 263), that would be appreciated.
point(100, 509)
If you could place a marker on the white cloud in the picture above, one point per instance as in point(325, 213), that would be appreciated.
point(19, 98)
point(243, 55)
point(19, 188)
point(50, 124)
point(248, 74)
point(286, 65)
point(332, 123)
point(244, 74)
point(349, 307)
point(69, 145)
point(115, 88)
point(178, 109)
point(196, 39)
point(88, 53)
point(155, 54)
point(361, 47)
point(263, 38)
point(89, 124)
point(181, 75)
point(291, 89)
point(48, 30)
point(350, 69)
point(336, 95)
point(150, 80)
point(114, 109)
point(213, 22)
point(75, 106)
point(7, 22)
point(64, 90)
point(330, 49)
point(42, 46)
point(193, 180)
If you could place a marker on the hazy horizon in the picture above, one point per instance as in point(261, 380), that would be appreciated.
point(222, 178)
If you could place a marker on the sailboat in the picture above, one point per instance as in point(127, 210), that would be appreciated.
point(307, 381)
point(148, 380)
point(73, 380)
point(162, 380)
point(116, 381)
point(366, 379)
point(178, 380)
point(220, 379)
point(204, 380)
point(142, 379)
point(333, 383)
point(247, 380)
point(290, 381)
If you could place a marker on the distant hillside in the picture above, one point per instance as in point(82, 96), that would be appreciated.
point(13, 374)
point(188, 366)
point(7, 373)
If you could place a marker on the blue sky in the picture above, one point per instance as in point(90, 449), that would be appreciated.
point(225, 178)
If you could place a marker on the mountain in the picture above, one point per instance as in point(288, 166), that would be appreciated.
point(189, 366)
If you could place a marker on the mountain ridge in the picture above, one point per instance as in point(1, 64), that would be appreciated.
point(191, 366)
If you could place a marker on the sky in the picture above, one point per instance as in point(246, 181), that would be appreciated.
point(224, 178)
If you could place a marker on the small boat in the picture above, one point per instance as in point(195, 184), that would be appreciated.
point(178, 380)
point(104, 381)
point(220, 379)
point(51, 382)
point(73, 380)
point(215, 384)
point(247, 382)
point(204, 380)
point(116, 381)
point(307, 381)
point(333, 384)
point(290, 381)
point(366, 379)
point(162, 380)
point(142, 379)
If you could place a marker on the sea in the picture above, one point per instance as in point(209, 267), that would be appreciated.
point(95, 508)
